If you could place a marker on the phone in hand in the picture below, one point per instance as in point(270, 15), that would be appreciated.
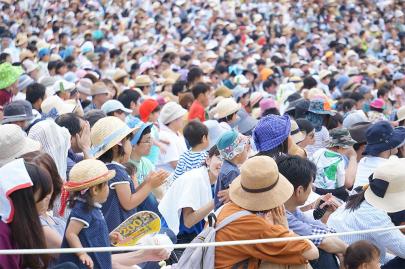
point(319, 212)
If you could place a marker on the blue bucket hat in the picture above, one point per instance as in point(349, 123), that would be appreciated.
point(381, 137)
point(271, 131)
point(137, 123)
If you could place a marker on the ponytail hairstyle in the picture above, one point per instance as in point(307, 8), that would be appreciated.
point(354, 201)
point(26, 228)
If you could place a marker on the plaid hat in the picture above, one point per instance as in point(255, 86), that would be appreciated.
point(340, 137)
point(271, 131)
point(231, 144)
point(320, 106)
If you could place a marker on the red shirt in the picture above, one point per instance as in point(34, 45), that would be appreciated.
point(197, 111)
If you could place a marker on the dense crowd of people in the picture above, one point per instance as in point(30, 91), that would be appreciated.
point(287, 117)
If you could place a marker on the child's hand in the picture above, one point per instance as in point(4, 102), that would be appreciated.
point(157, 178)
point(86, 260)
point(115, 237)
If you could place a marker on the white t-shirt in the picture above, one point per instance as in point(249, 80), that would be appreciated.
point(176, 147)
point(321, 141)
point(365, 168)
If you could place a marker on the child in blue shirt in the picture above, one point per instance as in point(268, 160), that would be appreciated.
point(196, 134)
point(234, 148)
point(86, 224)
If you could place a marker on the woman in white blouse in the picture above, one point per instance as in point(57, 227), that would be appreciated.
point(368, 210)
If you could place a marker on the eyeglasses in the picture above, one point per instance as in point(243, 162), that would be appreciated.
point(146, 142)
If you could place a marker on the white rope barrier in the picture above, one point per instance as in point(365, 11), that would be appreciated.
point(193, 245)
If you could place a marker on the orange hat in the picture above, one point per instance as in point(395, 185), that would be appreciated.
point(265, 73)
point(146, 109)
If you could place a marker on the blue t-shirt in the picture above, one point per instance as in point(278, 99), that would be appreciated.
point(94, 234)
point(227, 174)
point(113, 212)
point(195, 229)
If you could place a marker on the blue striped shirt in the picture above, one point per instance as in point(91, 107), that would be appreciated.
point(188, 161)
point(368, 217)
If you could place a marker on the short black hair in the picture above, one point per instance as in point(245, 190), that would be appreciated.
point(360, 252)
point(59, 65)
point(194, 132)
point(297, 170)
point(93, 116)
point(200, 88)
point(348, 104)
point(268, 83)
point(35, 91)
point(145, 131)
point(260, 62)
point(52, 65)
point(179, 87)
point(70, 121)
point(356, 96)
point(128, 96)
point(194, 73)
point(305, 125)
point(381, 92)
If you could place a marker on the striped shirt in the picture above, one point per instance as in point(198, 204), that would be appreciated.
point(188, 161)
point(368, 217)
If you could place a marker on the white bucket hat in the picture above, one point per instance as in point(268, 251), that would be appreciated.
point(226, 107)
point(14, 143)
point(387, 186)
point(170, 112)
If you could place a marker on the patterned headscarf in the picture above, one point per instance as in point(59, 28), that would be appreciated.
point(237, 147)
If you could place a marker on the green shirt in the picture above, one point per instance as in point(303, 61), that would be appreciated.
point(144, 166)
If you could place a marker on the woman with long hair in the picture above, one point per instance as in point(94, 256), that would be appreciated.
point(368, 210)
point(20, 227)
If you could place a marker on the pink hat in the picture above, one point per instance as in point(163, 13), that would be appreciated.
point(378, 103)
point(267, 103)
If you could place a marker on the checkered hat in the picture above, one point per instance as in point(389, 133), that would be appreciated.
point(271, 131)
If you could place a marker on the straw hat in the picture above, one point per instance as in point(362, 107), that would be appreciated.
point(401, 114)
point(226, 107)
point(387, 189)
point(142, 80)
point(260, 189)
point(21, 39)
point(14, 143)
point(88, 173)
point(106, 133)
point(295, 133)
point(119, 73)
point(99, 88)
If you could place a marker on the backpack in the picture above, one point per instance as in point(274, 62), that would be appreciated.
point(204, 257)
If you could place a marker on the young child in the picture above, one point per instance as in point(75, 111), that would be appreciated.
point(376, 112)
point(86, 225)
point(362, 255)
point(234, 148)
point(196, 133)
point(149, 113)
point(333, 175)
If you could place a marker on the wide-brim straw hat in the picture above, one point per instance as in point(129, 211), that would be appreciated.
point(387, 186)
point(88, 173)
point(260, 189)
point(106, 133)
point(295, 133)
point(401, 114)
point(226, 107)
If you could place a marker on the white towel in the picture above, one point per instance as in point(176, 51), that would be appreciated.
point(13, 177)
point(192, 189)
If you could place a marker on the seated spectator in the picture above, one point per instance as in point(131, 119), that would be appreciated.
point(301, 172)
point(234, 149)
point(362, 254)
point(368, 209)
point(262, 193)
point(196, 134)
point(333, 174)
